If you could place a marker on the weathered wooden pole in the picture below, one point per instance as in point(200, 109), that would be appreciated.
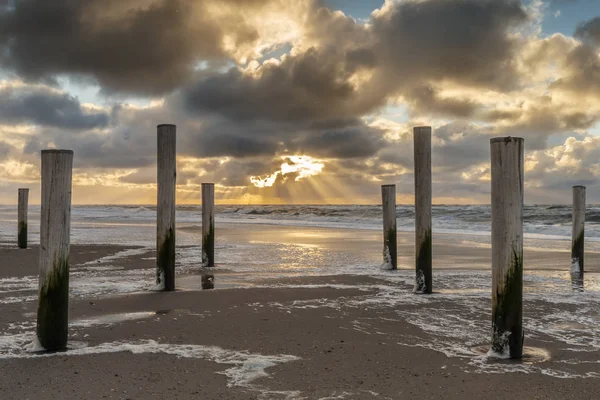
point(422, 151)
point(55, 228)
point(165, 209)
point(507, 246)
point(577, 243)
point(208, 224)
point(22, 218)
point(390, 252)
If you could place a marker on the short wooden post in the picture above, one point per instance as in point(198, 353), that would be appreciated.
point(422, 159)
point(165, 210)
point(208, 225)
point(507, 246)
point(390, 252)
point(55, 227)
point(22, 218)
point(577, 243)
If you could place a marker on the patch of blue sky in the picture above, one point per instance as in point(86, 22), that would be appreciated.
point(563, 16)
point(357, 9)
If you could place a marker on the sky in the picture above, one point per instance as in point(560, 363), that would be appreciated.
point(287, 101)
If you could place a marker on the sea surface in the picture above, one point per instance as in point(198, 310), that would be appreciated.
point(117, 224)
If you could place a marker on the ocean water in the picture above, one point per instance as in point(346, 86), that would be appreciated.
point(113, 224)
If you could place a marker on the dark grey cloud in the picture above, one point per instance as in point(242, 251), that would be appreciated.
point(41, 106)
point(589, 31)
point(350, 142)
point(139, 46)
point(425, 100)
point(465, 41)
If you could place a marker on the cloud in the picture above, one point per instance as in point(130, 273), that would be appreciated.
point(39, 105)
point(135, 46)
point(589, 31)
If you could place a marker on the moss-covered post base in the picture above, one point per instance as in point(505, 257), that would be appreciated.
point(23, 198)
point(423, 257)
point(55, 228)
point(208, 224)
point(507, 247)
point(165, 209)
point(390, 247)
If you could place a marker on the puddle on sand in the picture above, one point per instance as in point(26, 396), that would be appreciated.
point(531, 355)
point(110, 319)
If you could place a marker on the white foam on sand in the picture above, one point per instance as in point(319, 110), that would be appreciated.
point(118, 256)
point(246, 366)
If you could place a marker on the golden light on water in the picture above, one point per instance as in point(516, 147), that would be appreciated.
point(302, 166)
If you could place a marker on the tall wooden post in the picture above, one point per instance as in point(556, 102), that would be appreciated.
point(577, 243)
point(507, 246)
point(55, 228)
point(390, 252)
point(422, 152)
point(165, 210)
point(208, 225)
point(22, 218)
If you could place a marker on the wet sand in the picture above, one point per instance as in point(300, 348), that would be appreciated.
point(312, 336)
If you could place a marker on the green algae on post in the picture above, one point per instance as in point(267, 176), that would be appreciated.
point(23, 200)
point(507, 337)
point(423, 282)
point(53, 306)
point(22, 235)
point(165, 271)
point(55, 228)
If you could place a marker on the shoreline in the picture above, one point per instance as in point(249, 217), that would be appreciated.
point(287, 324)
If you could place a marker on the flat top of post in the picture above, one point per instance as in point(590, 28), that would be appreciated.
point(393, 185)
point(166, 125)
point(23, 188)
point(57, 151)
point(579, 187)
point(208, 183)
point(418, 128)
point(506, 139)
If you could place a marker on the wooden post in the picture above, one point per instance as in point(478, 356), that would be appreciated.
point(165, 210)
point(22, 218)
point(577, 243)
point(390, 252)
point(208, 225)
point(507, 246)
point(422, 151)
point(55, 227)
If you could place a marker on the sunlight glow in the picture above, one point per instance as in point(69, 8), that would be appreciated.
point(302, 166)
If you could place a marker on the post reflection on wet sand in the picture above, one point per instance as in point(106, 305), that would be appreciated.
point(577, 280)
point(208, 281)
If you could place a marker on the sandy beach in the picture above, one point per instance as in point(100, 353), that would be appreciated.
point(280, 330)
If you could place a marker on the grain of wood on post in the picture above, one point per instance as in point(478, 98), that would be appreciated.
point(23, 198)
point(578, 237)
point(507, 246)
point(390, 252)
point(208, 225)
point(55, 227)
point(165, 207)
point(423, 255)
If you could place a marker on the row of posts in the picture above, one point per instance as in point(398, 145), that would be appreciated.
point(507, 233)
